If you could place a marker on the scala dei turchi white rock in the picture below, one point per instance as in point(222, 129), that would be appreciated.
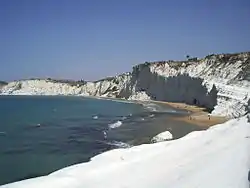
point(216, 157)
point(221, 83)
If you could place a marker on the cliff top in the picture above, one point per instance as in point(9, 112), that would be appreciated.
point(216, 58)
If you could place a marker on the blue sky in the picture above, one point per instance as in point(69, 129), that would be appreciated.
point(91, 39)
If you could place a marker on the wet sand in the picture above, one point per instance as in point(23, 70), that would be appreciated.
point(198, 115)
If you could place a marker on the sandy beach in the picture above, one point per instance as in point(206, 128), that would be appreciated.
point(198, 115)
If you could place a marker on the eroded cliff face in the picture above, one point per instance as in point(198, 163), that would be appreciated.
point(221, 83)
point(175, 88)
point(229, 73)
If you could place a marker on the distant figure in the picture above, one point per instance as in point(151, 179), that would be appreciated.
point(105, 134)
point(209, 116)
point(195, 101)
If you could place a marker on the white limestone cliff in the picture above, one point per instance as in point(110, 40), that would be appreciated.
point(230, 73)
point(221, 83)
point(40, 87)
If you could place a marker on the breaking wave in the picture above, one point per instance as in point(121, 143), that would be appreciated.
point(119, 144)
point(151, 108)
point(115, 125)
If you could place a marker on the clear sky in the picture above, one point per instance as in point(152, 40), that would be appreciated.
point(91, 39)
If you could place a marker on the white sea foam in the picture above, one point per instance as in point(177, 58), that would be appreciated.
point(119, 144)
point(124, 117)
point(115, 125)
point(156, 108)
point(95, 117)
point(151, 108)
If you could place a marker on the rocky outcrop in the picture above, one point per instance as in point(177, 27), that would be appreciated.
point(162, 137)
point(218, 82)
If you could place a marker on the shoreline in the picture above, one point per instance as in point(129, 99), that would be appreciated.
point(198, 115)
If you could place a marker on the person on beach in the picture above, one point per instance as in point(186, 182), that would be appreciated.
point(209, 116)
point(105, 134)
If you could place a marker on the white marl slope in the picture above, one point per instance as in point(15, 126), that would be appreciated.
point(226, 72)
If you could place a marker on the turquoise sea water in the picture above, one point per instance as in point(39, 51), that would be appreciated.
point(41, 134)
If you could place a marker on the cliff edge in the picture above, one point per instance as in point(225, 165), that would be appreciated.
point(220, 83)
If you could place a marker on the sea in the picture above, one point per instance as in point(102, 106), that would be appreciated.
point(42, 134)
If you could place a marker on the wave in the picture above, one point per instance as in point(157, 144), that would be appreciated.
point(119, 144)
point(120, 100)
point(124, 117)
point(151, 107)
point(115, 125)
point(95, 117)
